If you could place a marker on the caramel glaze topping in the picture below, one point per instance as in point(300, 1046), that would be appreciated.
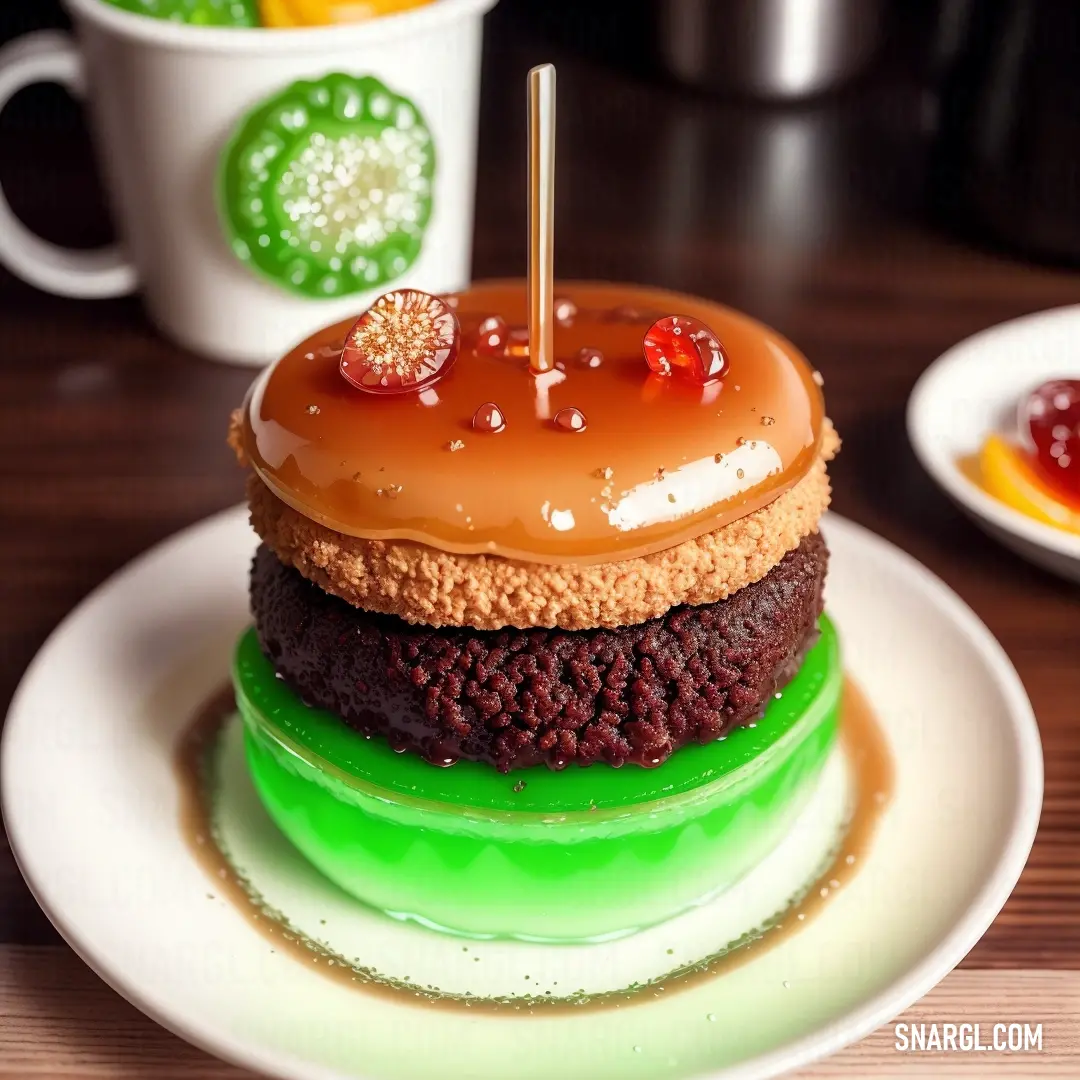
point(659, 460)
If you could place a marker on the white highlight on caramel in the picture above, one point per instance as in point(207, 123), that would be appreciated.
point(695, 486)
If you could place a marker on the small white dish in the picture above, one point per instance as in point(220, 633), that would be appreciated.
point(91, 804)
point(975, 389)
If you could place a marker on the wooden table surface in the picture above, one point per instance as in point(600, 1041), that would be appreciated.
point(810, 219)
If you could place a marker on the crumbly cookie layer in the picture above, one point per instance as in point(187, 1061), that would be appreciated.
point(423, 585)
point(517, 698)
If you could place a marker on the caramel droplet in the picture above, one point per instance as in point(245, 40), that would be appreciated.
point(492, 337)
point(488, 419)
point(570, 419)
point(517, 341)
point(628, 313)
point(565, 310)
point(590, 358)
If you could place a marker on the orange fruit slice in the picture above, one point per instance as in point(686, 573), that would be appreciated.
point(1008, 475)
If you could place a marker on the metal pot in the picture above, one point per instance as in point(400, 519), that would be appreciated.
point(779, 49)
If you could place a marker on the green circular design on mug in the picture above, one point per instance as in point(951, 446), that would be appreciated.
point(326, 188)
point(196, 12)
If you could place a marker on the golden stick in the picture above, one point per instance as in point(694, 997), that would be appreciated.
point(541, 218)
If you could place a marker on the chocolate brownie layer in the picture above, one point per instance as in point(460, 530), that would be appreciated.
point(518, 697)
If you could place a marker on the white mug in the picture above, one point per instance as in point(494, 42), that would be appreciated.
point(264, 182)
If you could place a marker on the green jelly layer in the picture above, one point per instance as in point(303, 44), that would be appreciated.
point(582, 854)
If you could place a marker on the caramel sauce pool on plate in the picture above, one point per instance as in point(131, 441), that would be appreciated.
point(861, 739)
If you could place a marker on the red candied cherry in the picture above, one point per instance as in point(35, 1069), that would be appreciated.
point(405, 341)
point(1052, 415)
point(683, 345)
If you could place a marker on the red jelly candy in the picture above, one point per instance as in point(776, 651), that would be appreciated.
point(405, 341)
point(1052, 415)
point(493, 333)
point(683, 345)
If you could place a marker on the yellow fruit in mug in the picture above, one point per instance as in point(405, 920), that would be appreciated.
point(1008, 476)
point(284, 13)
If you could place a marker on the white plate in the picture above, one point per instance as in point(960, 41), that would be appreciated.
point(975, 389)
point(90, 801)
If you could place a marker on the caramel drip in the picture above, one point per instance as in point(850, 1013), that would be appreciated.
point(659, 460)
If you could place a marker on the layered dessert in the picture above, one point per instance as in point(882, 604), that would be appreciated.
point(540, 655)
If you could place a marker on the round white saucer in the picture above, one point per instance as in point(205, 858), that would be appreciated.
point(91, 804)
point(975, 389)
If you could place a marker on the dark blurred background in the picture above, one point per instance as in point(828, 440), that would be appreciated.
point(964, 112)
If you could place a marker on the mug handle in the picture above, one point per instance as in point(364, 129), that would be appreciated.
point(50, 56)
